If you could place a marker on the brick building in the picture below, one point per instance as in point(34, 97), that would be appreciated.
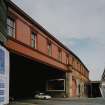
point(40, 62)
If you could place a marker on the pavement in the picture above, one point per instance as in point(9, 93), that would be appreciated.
point(62, 101)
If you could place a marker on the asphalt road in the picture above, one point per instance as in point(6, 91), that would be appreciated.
point(83, 101)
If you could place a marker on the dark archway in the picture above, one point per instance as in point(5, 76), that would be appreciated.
point(28, 77)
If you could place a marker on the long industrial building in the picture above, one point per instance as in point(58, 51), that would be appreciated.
point(39, 62)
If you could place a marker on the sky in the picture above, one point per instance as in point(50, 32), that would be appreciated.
point(78, 24)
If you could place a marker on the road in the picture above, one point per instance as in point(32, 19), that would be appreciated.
point(83, 101)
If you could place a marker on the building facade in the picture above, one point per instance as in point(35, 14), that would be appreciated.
point(57, 70)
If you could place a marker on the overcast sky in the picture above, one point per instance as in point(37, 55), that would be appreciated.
point(79, 24)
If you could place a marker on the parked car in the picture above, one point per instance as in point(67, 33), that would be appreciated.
point(42, 96)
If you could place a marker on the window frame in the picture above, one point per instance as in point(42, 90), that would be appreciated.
point(33, 39)
point(60, 54)
point(49, 48)
point(59, 90)
point(11, 25)
point(67, 59)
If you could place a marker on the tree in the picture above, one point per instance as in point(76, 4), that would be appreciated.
point(3, 19)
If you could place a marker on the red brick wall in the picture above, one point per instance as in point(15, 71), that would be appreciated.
point(74, 88)
point(64, 57)
point(41, 43)
point(54, 51)
point(22, 32)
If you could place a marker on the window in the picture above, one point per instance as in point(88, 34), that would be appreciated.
point(80, 68)
point(67, 59)
point(11, 27)
point(77, 65)
point(49, 49)
point(56, 85)
point(72, 61)
point(59, 55)
point(33, 40)
point(83, 71)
